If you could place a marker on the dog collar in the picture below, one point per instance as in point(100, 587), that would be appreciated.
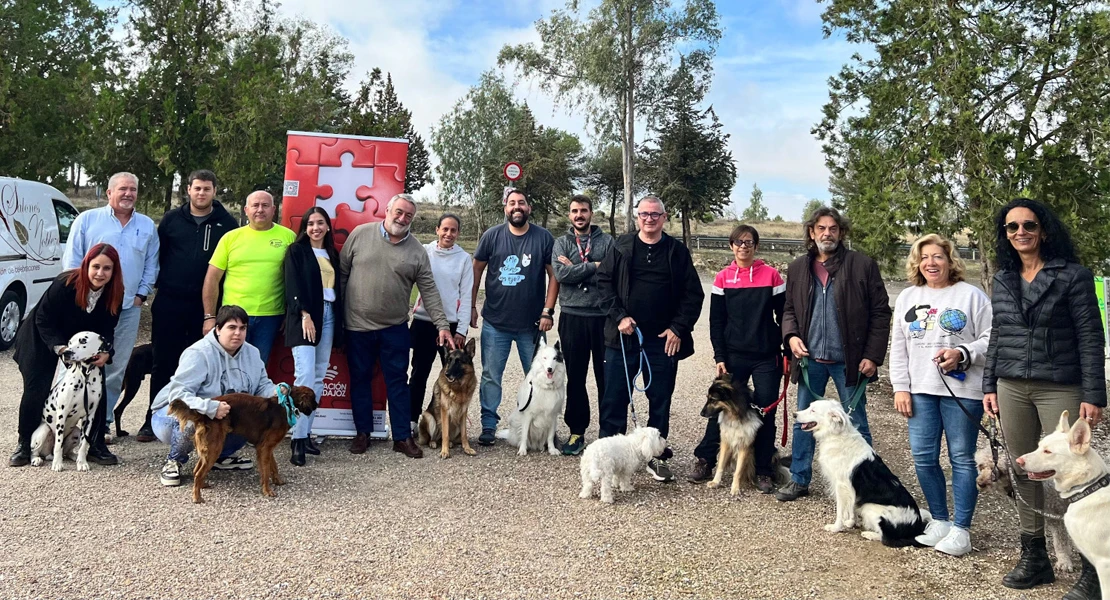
point(1091, 488)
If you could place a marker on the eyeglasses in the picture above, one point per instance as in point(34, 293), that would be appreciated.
point(744, 243)
point(650, 216)
point(1028, 226)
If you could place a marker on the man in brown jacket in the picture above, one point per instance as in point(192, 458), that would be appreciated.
point(837, 317)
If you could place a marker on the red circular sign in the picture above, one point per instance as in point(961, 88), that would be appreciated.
point(513, 171)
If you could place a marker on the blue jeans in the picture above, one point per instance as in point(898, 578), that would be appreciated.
point(613, 408)
point(168, 431)
point(932, 416)
point(801, 466)
point(496, 345)
point(127, 330)
point(390, 348)
point(310, 365)
point(261, 332)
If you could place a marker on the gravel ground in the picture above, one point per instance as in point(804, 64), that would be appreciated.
point(490, 526)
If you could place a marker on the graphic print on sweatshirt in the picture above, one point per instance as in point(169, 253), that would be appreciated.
point(924, 317)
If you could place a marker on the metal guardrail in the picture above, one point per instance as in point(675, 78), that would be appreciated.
point(796, 246)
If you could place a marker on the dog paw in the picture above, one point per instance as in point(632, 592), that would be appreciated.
point(849, 524)
point(872, 536)
point(607, 499)
point(522, 452)
point(834, 528)
point(56, 466)
point(554, 451)
point(1064, 564)
point(433, 445)
point(735, 491)
point(584, 494)
point(713, 485)
point(82, 465)
point(445, 453)
point(470, 451)
point(628, 488)
point(36, 461)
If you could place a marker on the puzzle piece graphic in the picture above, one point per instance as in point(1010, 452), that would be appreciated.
point(345, 184)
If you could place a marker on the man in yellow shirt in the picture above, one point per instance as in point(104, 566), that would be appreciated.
point(248, 261)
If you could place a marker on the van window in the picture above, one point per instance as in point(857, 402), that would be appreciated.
point(66, 215)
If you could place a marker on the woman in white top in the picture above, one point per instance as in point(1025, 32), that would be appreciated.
point(941, 329)
point(453, 270)
point(313, 314)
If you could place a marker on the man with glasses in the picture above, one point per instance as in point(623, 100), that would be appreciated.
point(520, 303)
point(837, 317)
point(378, 266)
point(650, 291)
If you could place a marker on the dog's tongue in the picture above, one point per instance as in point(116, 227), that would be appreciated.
point(551, 375)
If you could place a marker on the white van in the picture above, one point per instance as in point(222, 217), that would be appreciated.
point(34, 226)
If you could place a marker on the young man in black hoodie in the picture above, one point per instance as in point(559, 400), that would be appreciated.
point(188, 236)
point(647, 283)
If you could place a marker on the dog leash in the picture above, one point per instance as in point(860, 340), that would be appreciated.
point(535, 349)
point(764, 411)
point(286, 402)
point(631, 383)
point(995, 445)
point(853, 399)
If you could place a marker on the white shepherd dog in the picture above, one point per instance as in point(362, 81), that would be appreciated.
point(539, 403)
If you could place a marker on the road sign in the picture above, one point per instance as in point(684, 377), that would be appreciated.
point(513, 171)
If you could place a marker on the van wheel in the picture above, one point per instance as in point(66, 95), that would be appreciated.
point(11, 314)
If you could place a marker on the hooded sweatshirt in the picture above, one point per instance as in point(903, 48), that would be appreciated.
point(207, 371)
point(453, 270)
point(578, 292)
point(745, 311)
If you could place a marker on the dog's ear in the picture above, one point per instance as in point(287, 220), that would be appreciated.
point(1064, 426)
point(836, 418)
point(471, 348)
point(558, 352)
point(1079, 438)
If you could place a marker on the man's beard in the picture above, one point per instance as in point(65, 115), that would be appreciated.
point(518, 218)
point(581, 230)
point(396, 229)
point(827, 246)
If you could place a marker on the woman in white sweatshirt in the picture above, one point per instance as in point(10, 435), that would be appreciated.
point(453, 270)
point(941, 321)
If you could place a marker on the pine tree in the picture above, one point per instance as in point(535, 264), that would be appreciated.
point(756, 211)
point(377, 111)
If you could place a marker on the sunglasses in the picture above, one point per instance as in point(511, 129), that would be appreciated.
point(650, 216)
point(744, 243)
point(1028, 226)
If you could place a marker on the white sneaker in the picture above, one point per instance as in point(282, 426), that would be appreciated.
point(171, 473)
point(233, 463)
point(935, 531)
point(956, 543)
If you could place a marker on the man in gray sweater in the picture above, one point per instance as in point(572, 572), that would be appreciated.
point(378, 266)
point(575, 258)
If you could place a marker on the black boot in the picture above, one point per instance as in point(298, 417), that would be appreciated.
point(297, 457)
point(1033, 567)
point(22, 455)
point(310, 447)
point(1087, 586)
point(100, 454)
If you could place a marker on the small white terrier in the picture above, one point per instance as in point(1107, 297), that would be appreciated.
point(611, 461)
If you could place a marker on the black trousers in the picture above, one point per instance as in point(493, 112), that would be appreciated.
point(36, 390)
point(176, 323)
point(423, 336)
point(582, 338)
point(765, 373)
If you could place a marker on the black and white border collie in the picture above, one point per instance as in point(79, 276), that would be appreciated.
point(861, 480)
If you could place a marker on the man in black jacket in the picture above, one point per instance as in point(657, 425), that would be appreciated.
point(837, 317)
point(188, 235)
point(649, 289)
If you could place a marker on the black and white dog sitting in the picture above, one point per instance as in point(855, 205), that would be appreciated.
point(861, 480)
point(72, 403)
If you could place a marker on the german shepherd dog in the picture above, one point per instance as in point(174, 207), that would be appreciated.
point(262, 421)
point(451, 398)
point(732, 406)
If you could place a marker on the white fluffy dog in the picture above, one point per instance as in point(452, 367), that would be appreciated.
point(539, 403)
point(611, 461)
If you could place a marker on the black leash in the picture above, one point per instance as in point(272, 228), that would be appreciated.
point(995, 444)
point(535, 349)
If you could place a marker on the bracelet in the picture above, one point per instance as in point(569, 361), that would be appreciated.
point(209, 318)
point(547, 316)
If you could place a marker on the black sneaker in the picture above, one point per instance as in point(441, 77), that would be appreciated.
point(791, 491)
point(574, 445)
point(171, 473)
point(233, 463)
point(660, 470)
point(487, 438)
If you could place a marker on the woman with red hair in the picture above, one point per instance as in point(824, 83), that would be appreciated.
point(85, 299)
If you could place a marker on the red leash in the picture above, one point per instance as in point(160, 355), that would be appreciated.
point(782, 396)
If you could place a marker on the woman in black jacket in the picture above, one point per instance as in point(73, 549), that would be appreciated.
point(87, 298)
point(1045, 356)
point(313, 311)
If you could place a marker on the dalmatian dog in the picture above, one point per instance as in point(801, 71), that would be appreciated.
point(69, 411)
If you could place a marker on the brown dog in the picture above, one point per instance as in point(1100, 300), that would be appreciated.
point(450, 399)
point(262, 421)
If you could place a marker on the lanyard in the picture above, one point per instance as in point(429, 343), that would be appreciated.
point(583, 253)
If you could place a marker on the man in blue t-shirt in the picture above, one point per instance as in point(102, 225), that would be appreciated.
point(519, 303)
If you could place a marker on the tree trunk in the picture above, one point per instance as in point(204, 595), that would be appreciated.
point(686, 228)
point(629, 124)
point(613, 214)
point(169, 196)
